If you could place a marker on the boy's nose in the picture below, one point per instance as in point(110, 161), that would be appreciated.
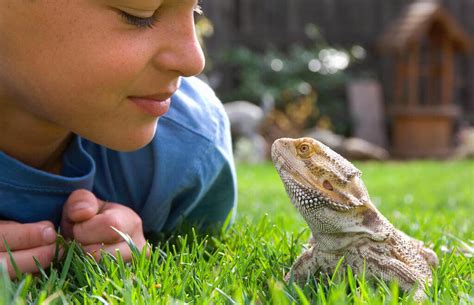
point(182, 52)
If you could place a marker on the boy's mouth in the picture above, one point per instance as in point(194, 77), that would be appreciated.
point(154, 105)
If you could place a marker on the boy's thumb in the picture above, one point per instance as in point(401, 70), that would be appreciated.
point(81, 206)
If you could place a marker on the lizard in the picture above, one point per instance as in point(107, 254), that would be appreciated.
point(329, 193)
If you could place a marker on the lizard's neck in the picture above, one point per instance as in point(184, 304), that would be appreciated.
point(334, 242)
point(352, 235)
point(339, 243)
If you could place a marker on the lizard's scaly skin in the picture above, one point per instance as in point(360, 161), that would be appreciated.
point(328, 192)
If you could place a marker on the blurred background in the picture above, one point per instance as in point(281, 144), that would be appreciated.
point(371, 79)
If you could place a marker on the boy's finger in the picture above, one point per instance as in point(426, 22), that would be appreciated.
point(81, 206)
point(24, 259)
point(26, 236)
point(98, 229)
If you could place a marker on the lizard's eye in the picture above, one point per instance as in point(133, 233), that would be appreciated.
point(304, 149)
point(327, 185)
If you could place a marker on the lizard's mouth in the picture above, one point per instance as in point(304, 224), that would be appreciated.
point(277, 158)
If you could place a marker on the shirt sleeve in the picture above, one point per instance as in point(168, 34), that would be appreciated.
point(211, 195)
point(218, 201)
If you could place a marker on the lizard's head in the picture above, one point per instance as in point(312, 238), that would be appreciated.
point(325, 187)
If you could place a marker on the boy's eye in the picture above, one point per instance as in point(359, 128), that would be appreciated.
point(139, 22)
point(142, 22)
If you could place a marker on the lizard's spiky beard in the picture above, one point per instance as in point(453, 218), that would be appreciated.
point(308, 199)
point(319, 211)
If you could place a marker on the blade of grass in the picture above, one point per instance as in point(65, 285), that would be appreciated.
point(67, 264)
point(12, 260)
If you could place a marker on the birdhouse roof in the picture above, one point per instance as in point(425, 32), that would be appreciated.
point(416, 22)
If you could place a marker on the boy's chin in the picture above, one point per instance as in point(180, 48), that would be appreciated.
point(128, 141)
point(128, 147)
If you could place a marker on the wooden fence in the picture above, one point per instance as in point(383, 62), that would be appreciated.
point(260, 23)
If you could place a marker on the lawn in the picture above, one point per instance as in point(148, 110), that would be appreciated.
point(432, 201)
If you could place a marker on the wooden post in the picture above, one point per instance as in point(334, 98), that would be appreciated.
point(447, 72)
point(413, 74)
point(434, 69)
point(400, 80)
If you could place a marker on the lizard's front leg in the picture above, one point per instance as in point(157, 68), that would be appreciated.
point(428, 254)
point(310, 261)
point(391, 269)
point(306, 264)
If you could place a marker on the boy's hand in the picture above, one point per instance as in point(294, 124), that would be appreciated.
point(88, 220)
point(25, 242)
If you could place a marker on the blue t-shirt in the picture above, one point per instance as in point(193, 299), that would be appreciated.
point(185, 173)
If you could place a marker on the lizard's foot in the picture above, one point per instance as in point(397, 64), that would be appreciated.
point(419, 296)
point(430, 257)
point(297, 276)
point(298, 279)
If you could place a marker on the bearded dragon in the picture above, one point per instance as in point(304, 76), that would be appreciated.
point(328, 192)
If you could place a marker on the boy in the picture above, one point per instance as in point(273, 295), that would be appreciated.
point(83, 85)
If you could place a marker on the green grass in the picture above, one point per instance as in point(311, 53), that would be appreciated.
point(432, 201)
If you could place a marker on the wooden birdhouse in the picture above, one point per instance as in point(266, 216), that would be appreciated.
point(424, 43)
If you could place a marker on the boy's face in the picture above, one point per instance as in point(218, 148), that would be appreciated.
point(78, 64)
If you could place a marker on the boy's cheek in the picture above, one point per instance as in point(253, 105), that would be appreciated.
point(79, 54)
point(80, 81)
point(71, 51)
